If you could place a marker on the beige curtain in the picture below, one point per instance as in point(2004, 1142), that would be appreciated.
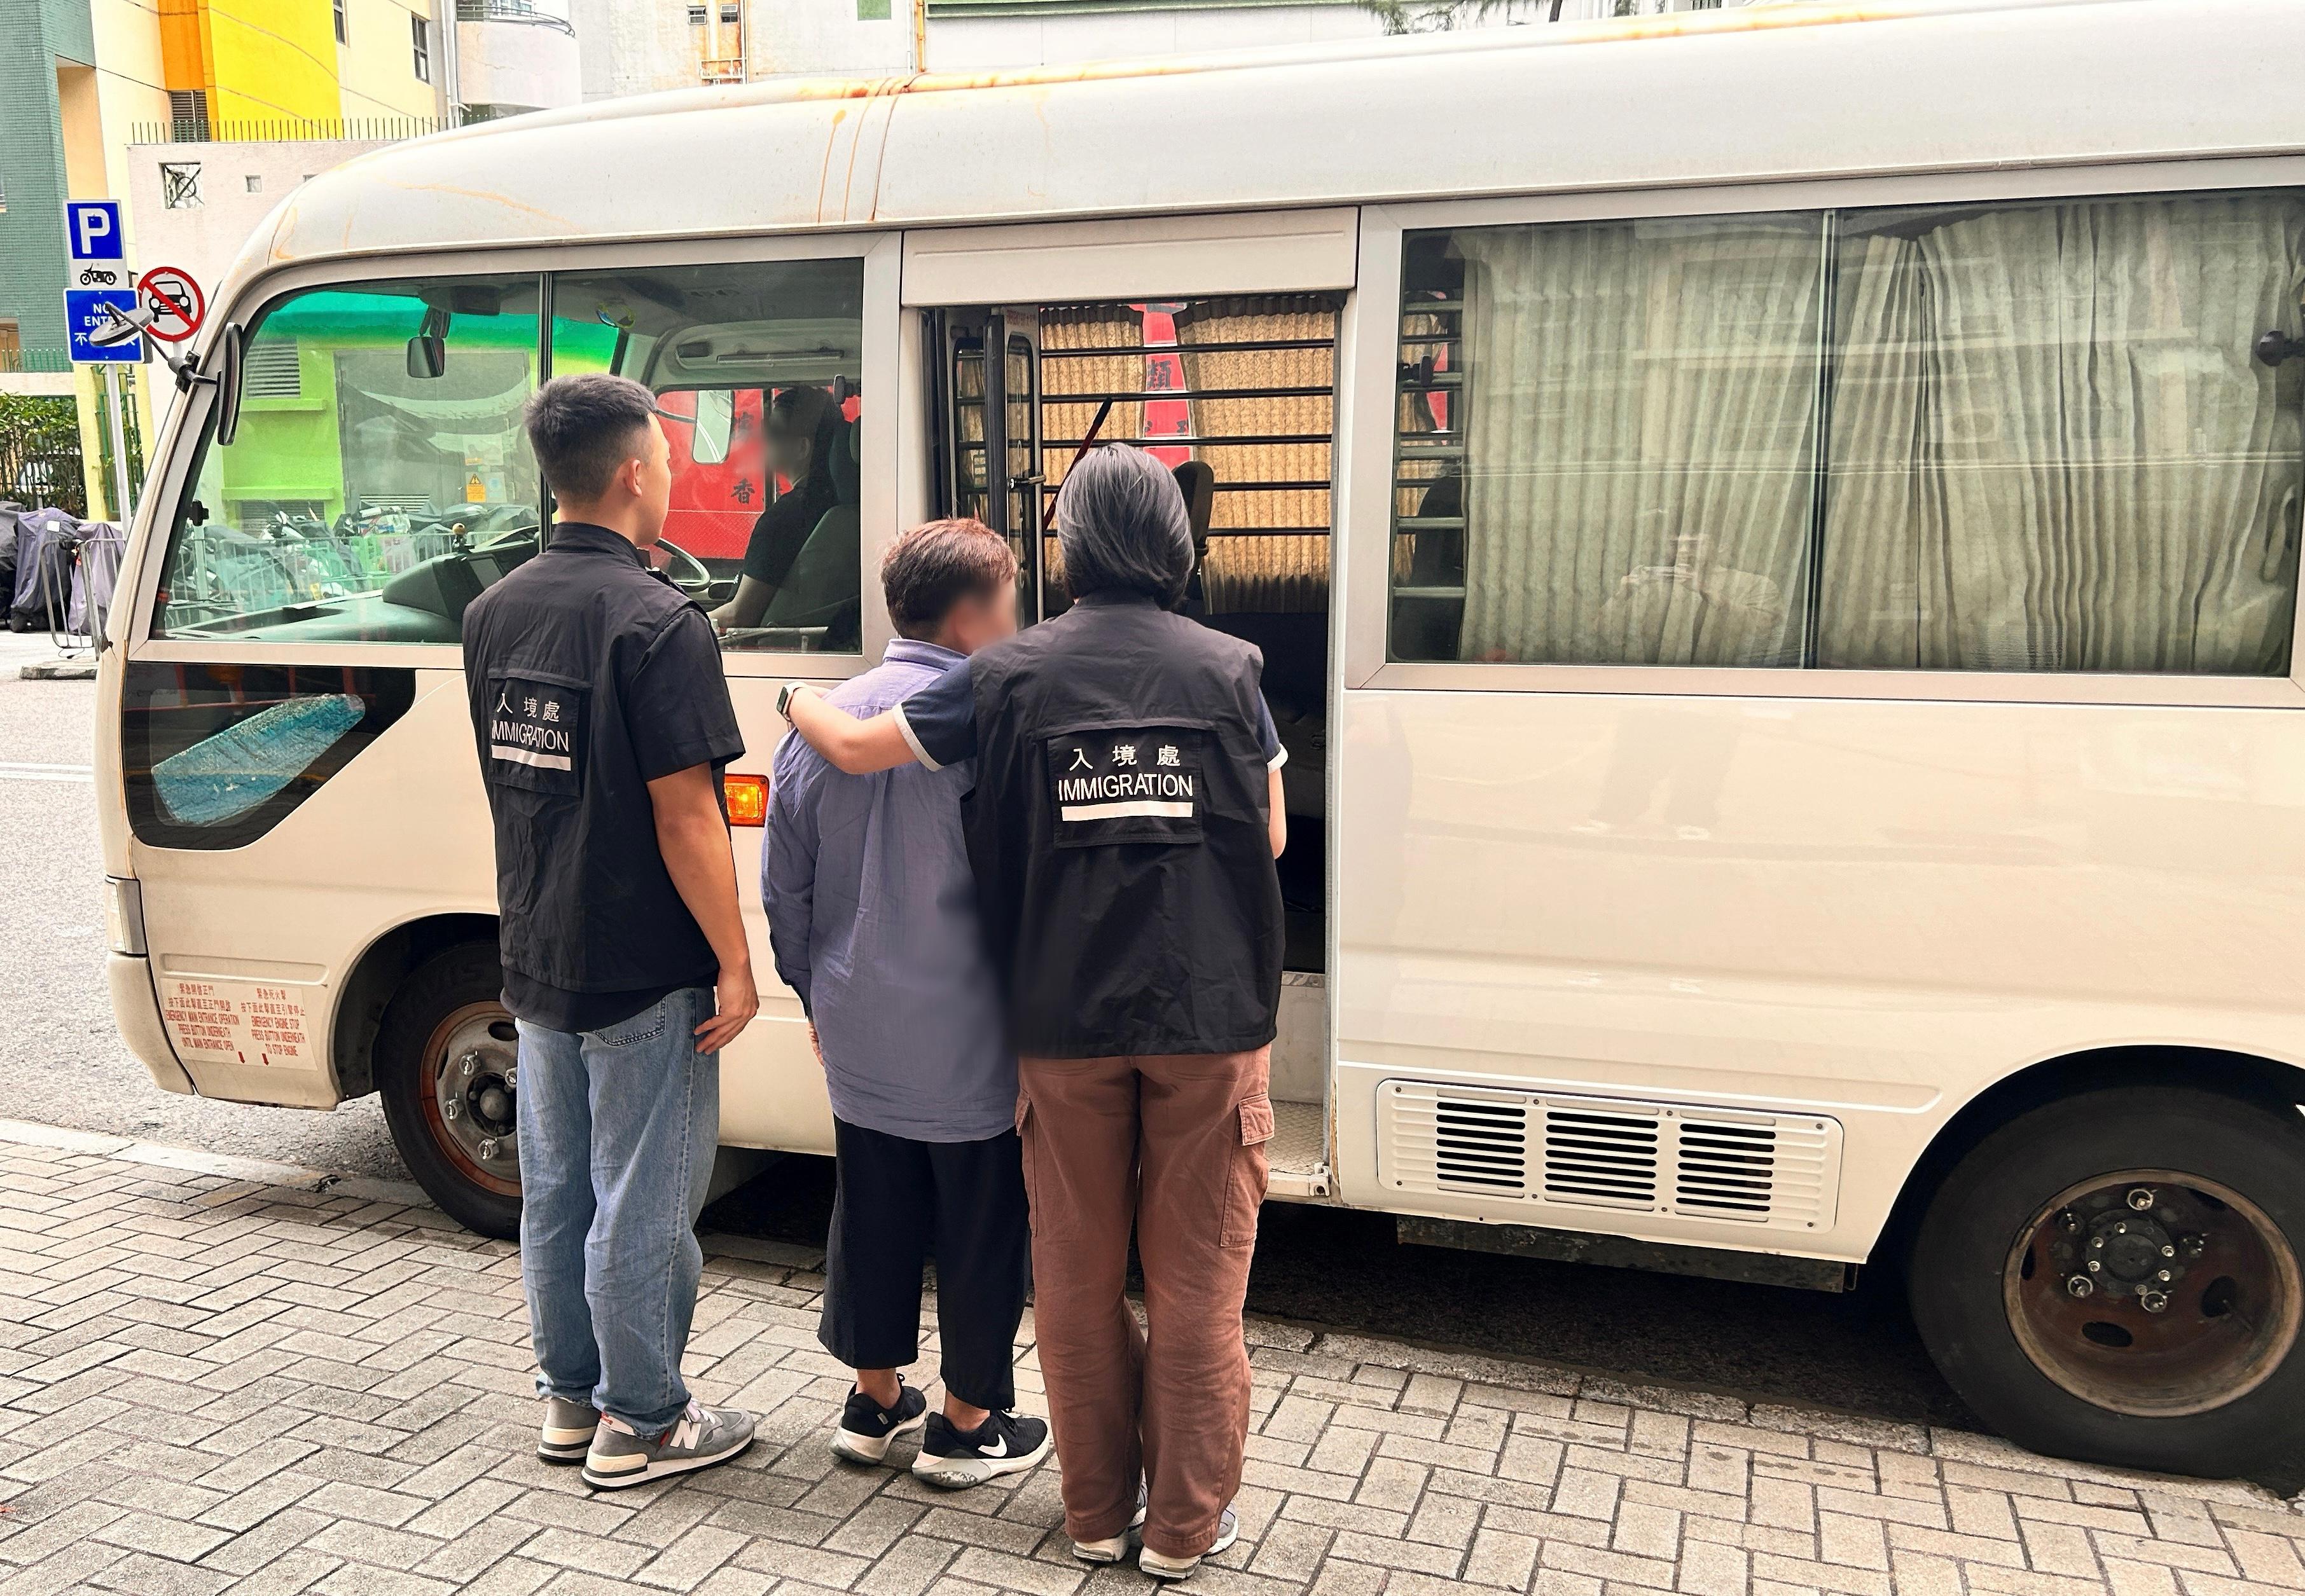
point(1640, 418)
point(1267, 573)
point(1085, 327)
point(2051, 448)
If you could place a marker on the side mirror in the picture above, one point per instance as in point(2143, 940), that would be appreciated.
point(428, 356)
point(230, 347)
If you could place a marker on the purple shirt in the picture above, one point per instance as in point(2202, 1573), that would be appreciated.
point(872, 921)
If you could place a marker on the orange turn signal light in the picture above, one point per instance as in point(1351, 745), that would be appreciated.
point(748, 799)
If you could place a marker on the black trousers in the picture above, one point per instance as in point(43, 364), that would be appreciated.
point(898, 1201)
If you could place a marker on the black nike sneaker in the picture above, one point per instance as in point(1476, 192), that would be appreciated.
point(867, 1429)
point(1004, 1444)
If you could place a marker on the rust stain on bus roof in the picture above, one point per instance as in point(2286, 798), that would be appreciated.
point(489, 196)
point(824, 172)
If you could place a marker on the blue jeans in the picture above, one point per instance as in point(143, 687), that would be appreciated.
point(618, 1130)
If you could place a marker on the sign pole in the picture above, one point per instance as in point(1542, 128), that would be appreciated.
point(122, 512)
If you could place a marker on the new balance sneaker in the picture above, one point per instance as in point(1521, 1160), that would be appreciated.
point(1160, 1567)
point(700, 1437)
point(1115, 1548)
point(566, 1434)
point(1004, 1444)
point(867, 1430)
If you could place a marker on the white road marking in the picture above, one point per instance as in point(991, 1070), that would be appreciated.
point(13, 771)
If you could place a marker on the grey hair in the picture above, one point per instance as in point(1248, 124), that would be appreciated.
point(1121, 523)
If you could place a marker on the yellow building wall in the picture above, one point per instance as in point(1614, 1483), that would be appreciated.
point(377, 61)
point(261, 60)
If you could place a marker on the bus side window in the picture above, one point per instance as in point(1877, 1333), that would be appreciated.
point(2028, 436)
point(380, 478)
point(757, 366)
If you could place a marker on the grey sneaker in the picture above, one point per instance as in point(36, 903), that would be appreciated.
point(1160, 1567)
point(566, 1433)
point(698, 1439)
point(1114, 1548)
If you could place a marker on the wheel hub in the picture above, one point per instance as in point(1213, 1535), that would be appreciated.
point(474, 1062)
point(2128, 1248)
point(2154, 1293)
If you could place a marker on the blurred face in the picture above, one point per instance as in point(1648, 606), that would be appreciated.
point(789, 455)
point(980, 621)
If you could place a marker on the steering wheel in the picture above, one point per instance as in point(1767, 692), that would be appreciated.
point(690, 574)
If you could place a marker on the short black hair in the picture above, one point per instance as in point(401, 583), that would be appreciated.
point(936, 565)
point(581, 429)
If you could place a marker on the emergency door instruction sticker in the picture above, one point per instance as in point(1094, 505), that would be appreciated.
point(1139, 784)
point(536, 730)
point(233, 1022)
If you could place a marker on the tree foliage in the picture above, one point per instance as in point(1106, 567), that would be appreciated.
point(39, 452)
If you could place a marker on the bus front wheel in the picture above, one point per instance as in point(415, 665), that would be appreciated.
point(446, 1068)
point(2115, 1276)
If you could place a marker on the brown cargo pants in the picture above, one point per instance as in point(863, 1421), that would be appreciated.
point(1174, 1146)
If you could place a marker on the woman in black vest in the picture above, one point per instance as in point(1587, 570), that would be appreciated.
point(1122, 827)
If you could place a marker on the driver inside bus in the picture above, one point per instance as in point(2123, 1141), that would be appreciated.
point(803, 426)
point(1122, 830)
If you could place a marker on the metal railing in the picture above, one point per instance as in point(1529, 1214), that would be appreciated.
point(35, 359)
point(237, 130)
point(77, 577)
point(513, 10)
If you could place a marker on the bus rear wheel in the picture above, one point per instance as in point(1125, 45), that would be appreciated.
point(447, 1058)
point(2117, 1277)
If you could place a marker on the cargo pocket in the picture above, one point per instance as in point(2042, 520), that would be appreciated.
point(1245, 1194)
point(1024, 1150)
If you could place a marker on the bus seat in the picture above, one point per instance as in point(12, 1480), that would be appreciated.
point(1198, 483)
point(821, 589)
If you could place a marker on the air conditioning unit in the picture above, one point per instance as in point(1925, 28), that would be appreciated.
point(1777, 1170)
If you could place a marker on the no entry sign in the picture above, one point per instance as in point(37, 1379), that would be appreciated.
point(175, 301)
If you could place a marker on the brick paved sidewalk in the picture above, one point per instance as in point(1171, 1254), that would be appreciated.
point(213, 1382)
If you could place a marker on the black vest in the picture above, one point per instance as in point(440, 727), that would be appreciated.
point(1119, 832)
point(585, 903)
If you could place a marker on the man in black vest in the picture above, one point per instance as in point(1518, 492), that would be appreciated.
point(1122, 830)
point(604, 722)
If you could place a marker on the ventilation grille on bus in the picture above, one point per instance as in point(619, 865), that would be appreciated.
point(1692, 1163)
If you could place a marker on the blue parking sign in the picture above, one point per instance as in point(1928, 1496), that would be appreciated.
point(88, 312)
point(92, 229)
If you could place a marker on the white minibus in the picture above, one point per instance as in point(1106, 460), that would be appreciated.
point(1773, 535)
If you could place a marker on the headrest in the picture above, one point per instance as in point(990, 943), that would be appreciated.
point(1198, 484)
point(847, 470)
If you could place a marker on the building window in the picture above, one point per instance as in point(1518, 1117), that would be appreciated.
point(2018, 437)
point(255, 183)
point(698, 16)
point(179, 185)
point(188, 116)
point(732, 13)
point(272, 369)
point(343, 34)
point(420, 34)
